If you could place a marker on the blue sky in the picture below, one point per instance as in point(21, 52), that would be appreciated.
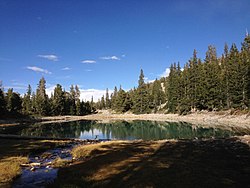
point(100, 44)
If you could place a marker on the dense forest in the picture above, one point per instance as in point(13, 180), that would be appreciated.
point(61, 102)
point(213, 84)
point(216, 83)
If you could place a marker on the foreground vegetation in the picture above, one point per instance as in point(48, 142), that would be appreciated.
point(171, 163)
point(15, 152)
point(184, 163)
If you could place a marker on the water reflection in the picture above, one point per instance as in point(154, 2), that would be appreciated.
point(146, 130)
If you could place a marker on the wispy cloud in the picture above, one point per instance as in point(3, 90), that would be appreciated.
point(50, 57)
point(38, 69)
point(66, 68)
point(88, 61)
point(165, 73)
point(88, 70)
point(110, 58)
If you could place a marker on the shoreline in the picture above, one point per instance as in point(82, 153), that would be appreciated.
point(205, 119)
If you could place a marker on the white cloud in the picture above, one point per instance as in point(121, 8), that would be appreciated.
point(165, 73)
point(86, 94)
point(66, 68)
point(38, 69)
point(88, 61)
point(110, 58)
point(123, 55)
point(50, 57)
point(50, 90)
point(147, 80)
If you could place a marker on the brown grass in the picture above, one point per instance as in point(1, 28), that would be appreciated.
point(10, 168)
point(86, 151)
point(184, 163)
point(15, 152)
point(58, 162)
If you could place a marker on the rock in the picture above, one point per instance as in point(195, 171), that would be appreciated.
point(33, 169)
point(35, 164)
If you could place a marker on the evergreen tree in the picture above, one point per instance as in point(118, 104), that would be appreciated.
point(41, 98)
point(79, 107)
point(102, 104)
point(245, 72)
point(212, 71)
point(113, 98)
point(158, 94)
point(2, 101)
point(77, 93)
point(72, 100)
point(58, 101)
point(107, 100)
point(141, 97)
point(27, 103)
point(14, 102)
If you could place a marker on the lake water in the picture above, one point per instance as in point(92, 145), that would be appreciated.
point(121, 130)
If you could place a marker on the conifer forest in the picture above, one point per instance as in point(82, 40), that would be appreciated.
point(213, 84)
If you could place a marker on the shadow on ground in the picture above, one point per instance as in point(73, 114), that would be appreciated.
point(184, 163)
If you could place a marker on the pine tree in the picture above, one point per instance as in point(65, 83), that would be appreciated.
point(2, 101)
point(158, 94)
point(41, 98)
point(113, 99)
point(141, 97)
point(245, 72)
point(14, 102)
point(79, 108)
point(77, 92)
point(212, 71)
point(72, 100)
point(107, 100)
point(58, 101)
point(27, 104)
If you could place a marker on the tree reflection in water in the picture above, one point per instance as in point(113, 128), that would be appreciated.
point(146, 130)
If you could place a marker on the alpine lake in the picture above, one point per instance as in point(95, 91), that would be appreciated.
point(119, 130)
point(45, 174)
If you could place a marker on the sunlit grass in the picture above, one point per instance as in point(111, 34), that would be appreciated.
point(10, 168)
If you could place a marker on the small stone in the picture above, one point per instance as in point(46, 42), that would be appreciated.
point(32, 169)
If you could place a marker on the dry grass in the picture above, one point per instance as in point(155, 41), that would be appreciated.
point(58, 162)
point(184, 163)
point(86, 151)
point(15, 152)
point(10, 168)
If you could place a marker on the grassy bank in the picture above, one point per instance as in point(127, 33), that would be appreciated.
point(15, 152)
point(183, 163)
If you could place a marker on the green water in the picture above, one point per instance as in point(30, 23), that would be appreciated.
point(146, 130)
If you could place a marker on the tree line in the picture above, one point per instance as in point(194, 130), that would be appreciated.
point(60, 102)
point(213, 84)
